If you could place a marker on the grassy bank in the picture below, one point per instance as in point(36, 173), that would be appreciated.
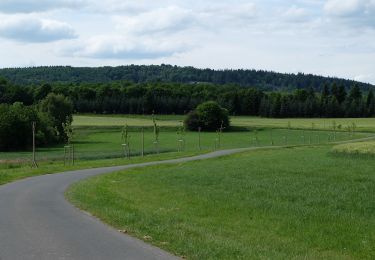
point(275, 204)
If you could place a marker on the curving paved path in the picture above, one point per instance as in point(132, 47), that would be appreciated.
point(36, 222)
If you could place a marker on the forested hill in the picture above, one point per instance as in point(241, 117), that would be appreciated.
point(166, 73)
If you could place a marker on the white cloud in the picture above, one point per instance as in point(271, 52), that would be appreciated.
point(365, 78)
point(356, 13)
point(121, 6)
point(30, 6)
point(345, 7)
point(296, 14)
point(230, 12)
point(168, 20)
point(241, 11)
point(124, 48)
point(31, 29)
point(147, 35)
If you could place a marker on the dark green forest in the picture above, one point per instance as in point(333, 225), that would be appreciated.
point(334, 100)
point(263, 80)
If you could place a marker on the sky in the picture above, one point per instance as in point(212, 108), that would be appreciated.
point(324, 37)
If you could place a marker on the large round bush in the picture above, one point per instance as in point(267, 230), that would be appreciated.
point(209, 116)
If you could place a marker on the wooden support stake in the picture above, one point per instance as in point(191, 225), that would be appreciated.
point(34, 164)
point(143, 142)
point(219, 139)
point(64, 155)
point(72, 154)
point(199, 138)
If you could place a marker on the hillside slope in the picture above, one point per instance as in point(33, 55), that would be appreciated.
point(167, 73)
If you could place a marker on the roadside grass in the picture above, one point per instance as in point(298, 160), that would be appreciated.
point(10, 172)
point(271, 204)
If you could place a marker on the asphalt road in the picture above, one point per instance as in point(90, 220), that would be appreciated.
point(36, 222)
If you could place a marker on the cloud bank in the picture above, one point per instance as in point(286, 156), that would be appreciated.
point(30, 6)
point(34, 30)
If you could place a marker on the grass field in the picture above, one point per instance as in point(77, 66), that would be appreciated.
point(93, 143)
point(359, 148)
point(132, 120)
point(363, 124)
point(296, 203)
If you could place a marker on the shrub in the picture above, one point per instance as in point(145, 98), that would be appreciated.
point(209, 116)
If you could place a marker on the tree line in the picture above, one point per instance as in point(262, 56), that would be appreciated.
point(334, 100)
point(265, 80)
